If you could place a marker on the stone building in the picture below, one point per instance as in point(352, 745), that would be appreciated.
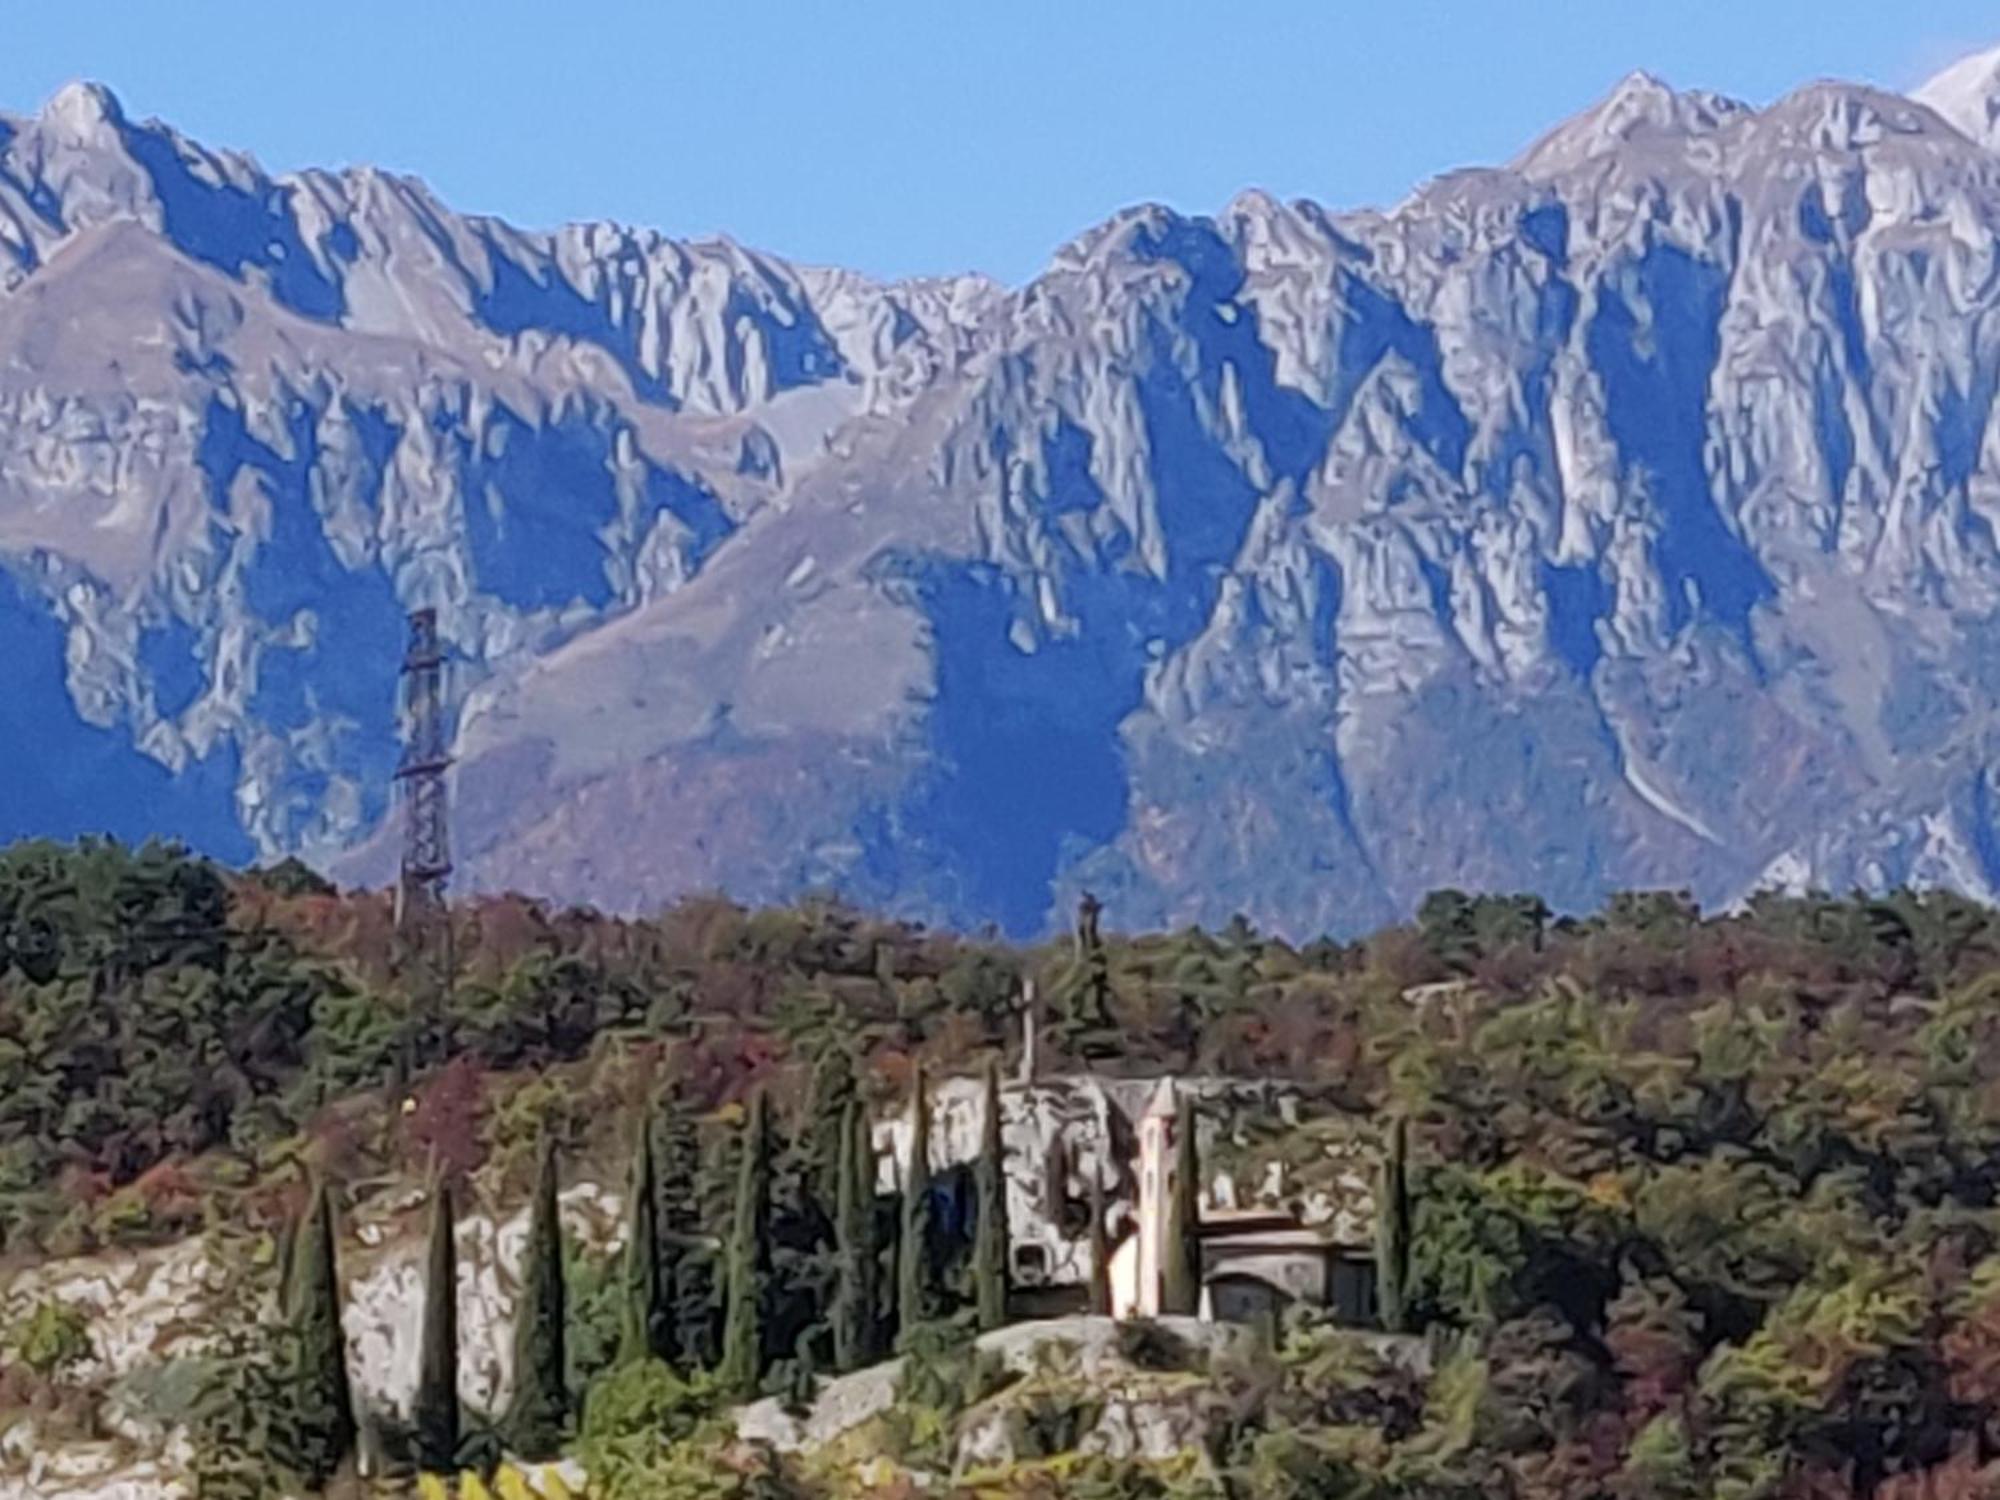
point(1263, 1244)
point(1252, 1261)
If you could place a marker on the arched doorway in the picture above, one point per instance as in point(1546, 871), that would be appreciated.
point(1241, 1298)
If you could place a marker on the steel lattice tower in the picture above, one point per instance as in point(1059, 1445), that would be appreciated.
point(426, 817)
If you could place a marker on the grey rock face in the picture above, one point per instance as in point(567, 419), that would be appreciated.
point(1082, 1353)
point(1621, 516)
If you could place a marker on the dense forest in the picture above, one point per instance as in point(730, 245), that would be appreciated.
point(1700, 1204)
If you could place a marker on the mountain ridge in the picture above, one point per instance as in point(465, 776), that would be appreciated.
point(1619, 516)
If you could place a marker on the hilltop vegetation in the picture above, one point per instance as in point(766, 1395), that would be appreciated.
point(1701, 1205)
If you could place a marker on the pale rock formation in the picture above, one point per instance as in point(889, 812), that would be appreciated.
point(1620, 516)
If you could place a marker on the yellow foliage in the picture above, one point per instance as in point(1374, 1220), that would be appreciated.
point(430, 1487)
point(1608, 1189)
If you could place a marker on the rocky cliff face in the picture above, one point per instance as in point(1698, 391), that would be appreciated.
point(151, 1315)
point(1620, 516)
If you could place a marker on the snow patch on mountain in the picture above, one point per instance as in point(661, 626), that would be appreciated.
point(1968, 95)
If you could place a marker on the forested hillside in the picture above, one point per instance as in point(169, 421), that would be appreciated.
point(1701, 1204)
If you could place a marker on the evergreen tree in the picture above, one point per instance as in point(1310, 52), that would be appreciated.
point(288, 1265)
point(435, 1414)
point(1180, 1284)
point(538, 1416)
point(646, 1320)
point(686, 1270)
point(1392, 1232)
point(871, 1242)
point(833, 1091)
point(916, 1263)
point(1100, 1251)
point(854, 1226)
point(989, 1251)
point(748, 1267)
point(325, 1410)
point(806, 1282)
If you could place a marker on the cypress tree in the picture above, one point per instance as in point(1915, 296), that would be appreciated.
point(325, 1403)
point(1180, 1285)
point(916, 1300)
point(872, 1242)
point(686, 1272)
point(538, 1416)
point(435, 1414)
point(853, 1247)
point(806, 1284)
point(646, 1321)
point(1392, 1232)
point(989, 1251)
point(288, 1265)
point(749, 1262)
point(833, 1090)
point(1100, 1251)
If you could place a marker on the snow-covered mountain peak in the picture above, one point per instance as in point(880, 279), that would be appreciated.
point(1968, 95)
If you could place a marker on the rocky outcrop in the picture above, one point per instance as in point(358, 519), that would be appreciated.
point(90, 1471)
point(1620, 516)
point(245, 421)
point(1080, 1354)
point(1147, 1417)
point(148, 1311)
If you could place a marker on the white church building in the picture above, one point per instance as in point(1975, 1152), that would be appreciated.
point(1262, 1247)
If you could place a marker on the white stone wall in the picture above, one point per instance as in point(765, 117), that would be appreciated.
point(385, 1301)
point(1067, 1116)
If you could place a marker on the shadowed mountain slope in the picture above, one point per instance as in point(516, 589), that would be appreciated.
point(1622, 516)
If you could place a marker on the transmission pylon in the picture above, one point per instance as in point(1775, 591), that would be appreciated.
point(423, 923)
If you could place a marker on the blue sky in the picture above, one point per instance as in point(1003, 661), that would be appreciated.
point(901, 137)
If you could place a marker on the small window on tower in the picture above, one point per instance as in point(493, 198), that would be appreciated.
point(1030, 1260)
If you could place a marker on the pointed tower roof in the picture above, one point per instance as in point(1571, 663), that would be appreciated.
point(1163, 1103)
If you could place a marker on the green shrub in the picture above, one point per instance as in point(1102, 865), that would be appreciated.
point(633, 1416)
point(648, 1434)
point(944, 1370)
point(251, 1435)
point(944, 1373)
point(53, 1339)
point(593, 1310)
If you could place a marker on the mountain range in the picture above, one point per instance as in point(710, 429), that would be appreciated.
point(1622, 516)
